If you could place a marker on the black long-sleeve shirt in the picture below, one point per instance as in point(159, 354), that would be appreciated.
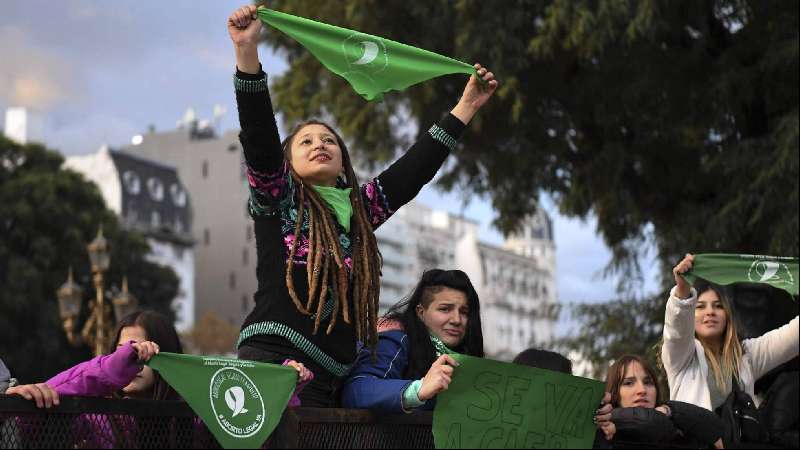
point(275, 324)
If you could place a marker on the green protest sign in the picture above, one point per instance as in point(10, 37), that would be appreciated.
point(777, 271)
point(491, 404)
point(240, 402)
point(371, 64)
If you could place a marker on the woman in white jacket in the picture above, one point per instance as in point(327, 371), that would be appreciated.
point(702, 352)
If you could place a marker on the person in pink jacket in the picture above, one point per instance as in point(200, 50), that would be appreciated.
point(122, 372)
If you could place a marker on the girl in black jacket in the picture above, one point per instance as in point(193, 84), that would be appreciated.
point(639, 417)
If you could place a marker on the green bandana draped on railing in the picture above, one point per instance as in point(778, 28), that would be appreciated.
point(371, 64)
point(241, 402)
point(338, 200)
point(777, 271)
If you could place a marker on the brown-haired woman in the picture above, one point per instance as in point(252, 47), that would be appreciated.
point(318, 261)
point(638, 415)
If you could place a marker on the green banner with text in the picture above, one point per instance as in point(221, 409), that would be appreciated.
point(491, 404)
point(241, 402)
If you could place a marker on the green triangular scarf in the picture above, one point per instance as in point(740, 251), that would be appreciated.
point(440, 347)
point(240, 401)
point(371, 64)
point(338, 200)
point(777, 271)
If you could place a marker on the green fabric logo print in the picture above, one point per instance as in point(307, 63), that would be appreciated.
point(236, 403)
point(772, 272)
point(366, 57)
point(365, 53)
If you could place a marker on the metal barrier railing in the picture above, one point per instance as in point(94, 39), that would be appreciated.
point(83, 422)
point(80, 422)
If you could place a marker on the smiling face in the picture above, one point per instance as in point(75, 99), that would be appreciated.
point(142, 385)
point(638, 389)
point(315, 155)
point(710, 318)
point(446, 316)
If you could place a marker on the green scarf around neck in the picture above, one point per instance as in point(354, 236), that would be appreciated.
point(338, 200)
point(440, 347)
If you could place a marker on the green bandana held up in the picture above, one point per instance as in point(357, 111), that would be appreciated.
point(371, 64)
point(777, 271)
point(338, 200)
point(241, 402)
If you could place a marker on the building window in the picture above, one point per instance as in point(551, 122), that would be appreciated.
point(205, 169)
point(178, 226)
point(156, 189)
point(232, 281)
point(155, 219)
point(132, 182)
point(178, 195)
point(245, 257)
point(207, 236)
point(249, 233)
point(179, 252)
point(245, 306)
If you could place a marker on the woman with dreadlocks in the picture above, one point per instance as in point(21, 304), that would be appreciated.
point(318, 261)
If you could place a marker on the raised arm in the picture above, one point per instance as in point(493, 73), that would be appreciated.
point(678, 347)
point(245, 30)
point(403, 180)
point(773, 348)
point(267, 173)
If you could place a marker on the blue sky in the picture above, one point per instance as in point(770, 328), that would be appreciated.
point(101, 72)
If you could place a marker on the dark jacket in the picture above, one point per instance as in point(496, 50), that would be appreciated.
point(688, 426)
point(379, 386)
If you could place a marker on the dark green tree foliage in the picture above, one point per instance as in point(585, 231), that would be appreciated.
point(47, 217)
point(683, 115)
point(674, 123)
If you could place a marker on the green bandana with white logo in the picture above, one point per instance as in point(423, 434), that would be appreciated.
point(338, 201)
point(777, 271)
point(371, 64)
point(241, 402)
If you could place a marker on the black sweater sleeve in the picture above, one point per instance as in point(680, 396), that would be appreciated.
point(403, 180)
point(643, 424)
point(259, 136)
point(696, 422)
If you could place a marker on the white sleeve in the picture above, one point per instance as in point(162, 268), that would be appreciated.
point(773, 348)
point(678, 347)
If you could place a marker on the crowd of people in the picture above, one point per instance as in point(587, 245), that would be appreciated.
point(318, 275)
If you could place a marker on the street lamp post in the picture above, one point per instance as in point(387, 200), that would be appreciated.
point(98, 328)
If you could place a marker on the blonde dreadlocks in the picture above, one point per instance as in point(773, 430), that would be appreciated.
point(325, 259)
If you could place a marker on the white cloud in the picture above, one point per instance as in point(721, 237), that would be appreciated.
point(35, 77)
